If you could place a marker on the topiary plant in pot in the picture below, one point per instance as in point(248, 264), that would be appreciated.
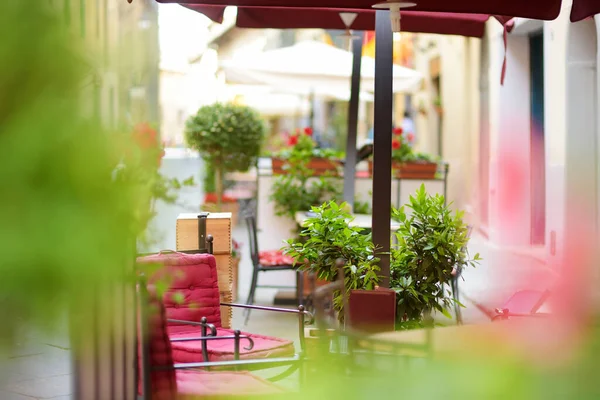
point(329, 237)
point(431, 243)
point(228, 137)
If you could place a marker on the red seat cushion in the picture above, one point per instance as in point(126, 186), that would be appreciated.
point(191, 284)
point(219, 384)
point(273, 258)
point(222, 350)
point(192, 279)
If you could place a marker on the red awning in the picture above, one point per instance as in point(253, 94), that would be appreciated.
point(583, 9)
point(412, 21)
point(472, 25)
point(536, 9)
point(215, 13)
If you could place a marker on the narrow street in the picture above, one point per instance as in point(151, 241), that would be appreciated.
point(40, 367)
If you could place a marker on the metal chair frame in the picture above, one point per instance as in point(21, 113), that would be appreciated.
point(208, 333)
point(258, 268)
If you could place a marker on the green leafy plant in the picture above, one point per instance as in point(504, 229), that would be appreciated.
point(431, 243)
point(329, 237)
point(296, 191)
point(229, 138)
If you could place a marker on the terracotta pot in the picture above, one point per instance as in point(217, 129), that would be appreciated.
point(439, 110)
point(235, 267)
point(412, 170)
point(228, 207)
point(320, 166)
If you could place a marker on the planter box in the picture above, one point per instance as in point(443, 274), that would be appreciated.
point(219, 226)
point(235, 268)
point(413, 170)
point(320, 166)
point(372, 311)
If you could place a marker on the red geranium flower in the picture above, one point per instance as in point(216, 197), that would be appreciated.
point(398, 131)
point(212, 198)
point(396, 144)
point(410, 137)
point(308, 131)
point(293, 140)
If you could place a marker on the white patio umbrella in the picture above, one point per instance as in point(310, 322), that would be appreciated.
point(313, 67)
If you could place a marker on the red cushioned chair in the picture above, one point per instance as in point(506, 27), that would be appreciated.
point(159, 378)
point(267, 261)
point(192, 305)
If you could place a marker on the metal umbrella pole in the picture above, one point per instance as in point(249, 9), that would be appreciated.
point(382, 138)
point(350, 165)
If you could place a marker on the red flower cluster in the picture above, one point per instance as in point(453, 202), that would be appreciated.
point(147, 140)
point(398, 131)
point(293, 139)
point(212, 198)
point(396, 144)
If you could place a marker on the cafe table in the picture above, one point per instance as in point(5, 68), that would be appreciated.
point(501, 338)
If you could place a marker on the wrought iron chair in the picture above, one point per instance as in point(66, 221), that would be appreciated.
point(268, 261)
point(194, 280)
point(160, 378)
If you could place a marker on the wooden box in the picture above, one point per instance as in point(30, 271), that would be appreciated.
point(219, 226)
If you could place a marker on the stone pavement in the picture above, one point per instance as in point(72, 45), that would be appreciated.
point(39, 367)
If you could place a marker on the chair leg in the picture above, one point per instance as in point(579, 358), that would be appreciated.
point(250, 300)
point(456, 295)
point(300, 287)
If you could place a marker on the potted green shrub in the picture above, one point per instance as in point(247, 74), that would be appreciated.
point(302, 149)
point(328, 237)
point(210, 203)
point(431, 243)
point(229, 138)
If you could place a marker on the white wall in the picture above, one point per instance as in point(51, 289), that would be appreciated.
point(571, 133)
point(174, 99)
point(459, 92)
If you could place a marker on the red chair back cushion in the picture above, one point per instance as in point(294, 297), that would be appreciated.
point(190, 286)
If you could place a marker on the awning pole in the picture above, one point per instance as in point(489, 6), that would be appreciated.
point(382, 139)
point(350, 165)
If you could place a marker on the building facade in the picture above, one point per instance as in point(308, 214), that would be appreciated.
point(541, 134)
point(121, 46)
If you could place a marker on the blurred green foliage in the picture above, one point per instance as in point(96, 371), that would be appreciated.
point(69, 220)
